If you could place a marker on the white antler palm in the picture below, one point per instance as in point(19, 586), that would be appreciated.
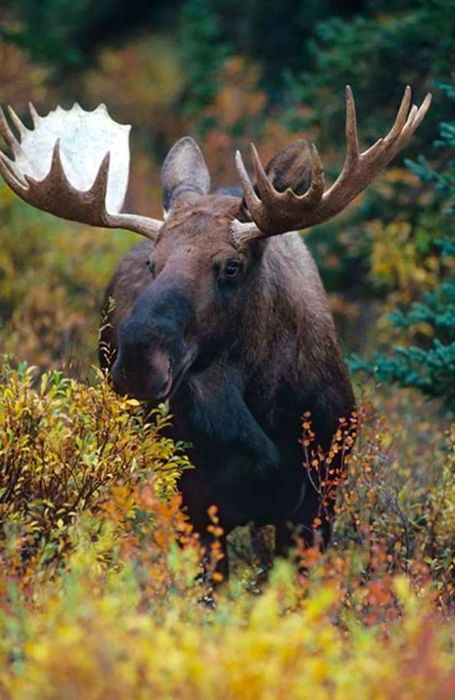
point(73, 164)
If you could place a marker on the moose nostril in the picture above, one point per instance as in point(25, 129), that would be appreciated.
point(160, 364)
point(142, 373)
point(159, 374)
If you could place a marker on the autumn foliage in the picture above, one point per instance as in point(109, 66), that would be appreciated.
point(98, 595)
point(101, 593)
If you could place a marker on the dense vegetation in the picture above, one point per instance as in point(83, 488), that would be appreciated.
point(96, 598)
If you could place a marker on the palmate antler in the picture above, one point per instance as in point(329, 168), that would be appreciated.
point(73, 164)
point(275, 212)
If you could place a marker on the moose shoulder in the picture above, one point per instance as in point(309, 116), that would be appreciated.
point(217, 312)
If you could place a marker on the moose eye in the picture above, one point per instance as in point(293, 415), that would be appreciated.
point(232, 268)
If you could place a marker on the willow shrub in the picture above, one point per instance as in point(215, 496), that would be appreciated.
point(65, 446)
point(99, 630)
point(97, 599)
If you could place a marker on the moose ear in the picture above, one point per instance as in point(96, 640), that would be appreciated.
point(184, 170)
point(291, 167)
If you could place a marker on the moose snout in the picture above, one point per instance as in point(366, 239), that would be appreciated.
point(146, 374)
point(153, 354)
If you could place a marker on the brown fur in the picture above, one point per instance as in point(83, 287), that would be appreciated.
point(279, 349)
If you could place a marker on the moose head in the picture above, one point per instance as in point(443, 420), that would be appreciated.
point(206, 254)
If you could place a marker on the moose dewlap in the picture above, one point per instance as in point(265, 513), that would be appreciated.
point(216, 311)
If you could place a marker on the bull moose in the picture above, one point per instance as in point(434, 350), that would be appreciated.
point(221, 310)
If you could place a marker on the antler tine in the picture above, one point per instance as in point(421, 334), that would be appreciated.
point(10, 172)
point(21, 128)
point(251, 198)
point(34, 114)
point(410, 120)
point(97, 192)
point(352, 139)
point(421, 112)
point(7, 133)
point(266, 190)
point(56, 175)
point(359, 169)
point(12, 176)
point(402, 115)
point(317, 185)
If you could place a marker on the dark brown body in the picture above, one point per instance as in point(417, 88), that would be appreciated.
point(240, 404)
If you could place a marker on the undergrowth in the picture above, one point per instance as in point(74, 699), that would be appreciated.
point(99, 589)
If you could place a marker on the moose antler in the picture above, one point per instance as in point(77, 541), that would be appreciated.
point(73, 164)
point(275, 212)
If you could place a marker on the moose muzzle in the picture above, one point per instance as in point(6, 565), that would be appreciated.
point(153, 355)
point(145, 375)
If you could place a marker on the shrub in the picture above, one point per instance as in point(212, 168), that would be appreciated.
point(94, 634)
point(65, 445)
point(97, 599)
